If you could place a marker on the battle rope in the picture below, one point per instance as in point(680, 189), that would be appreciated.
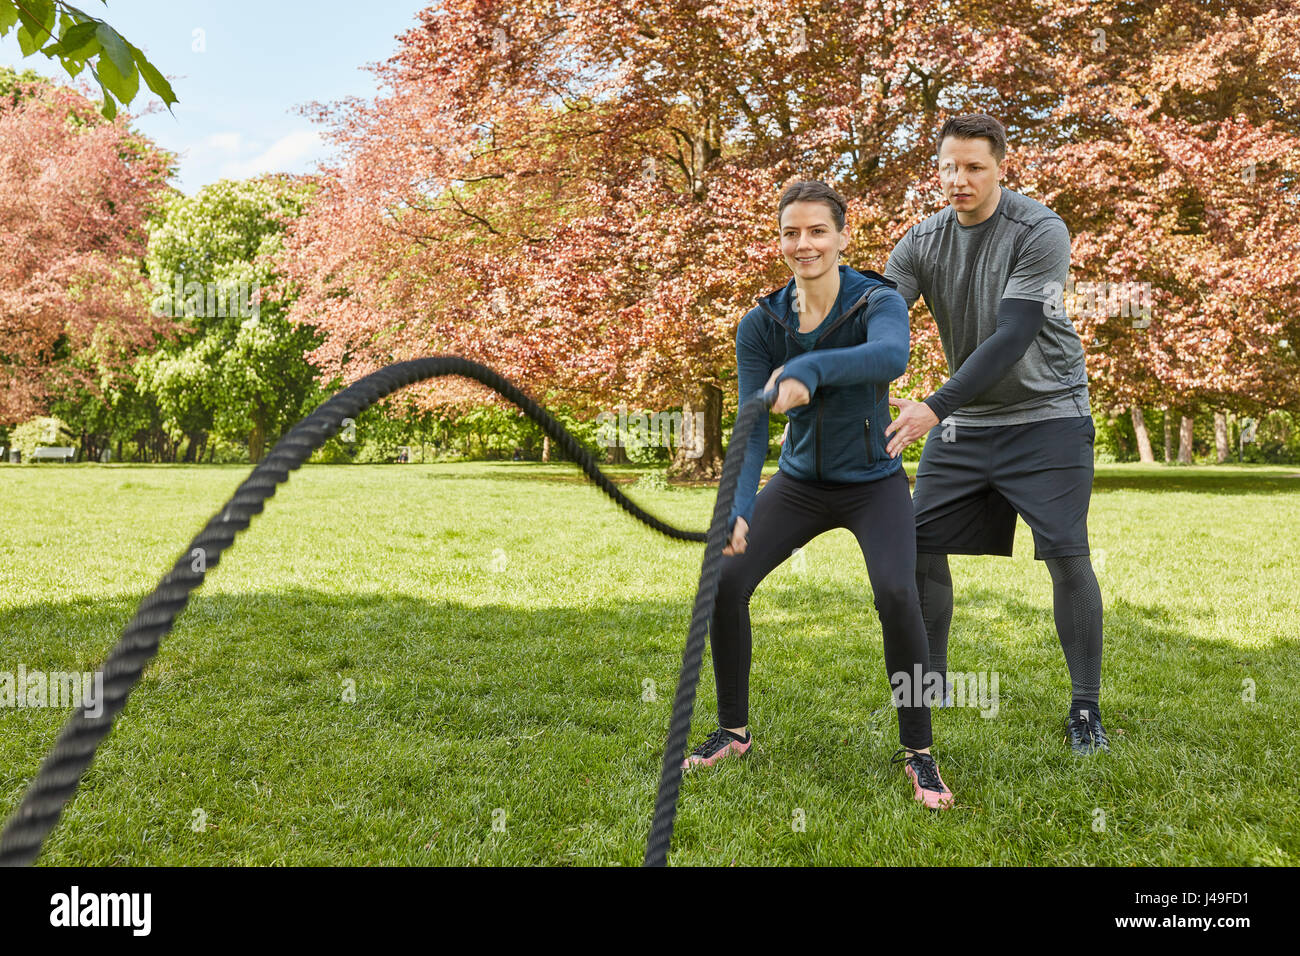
point(63, 767)
point(670, 778)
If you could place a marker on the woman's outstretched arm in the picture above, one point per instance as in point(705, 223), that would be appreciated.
point(754, 364)
point(879, 360)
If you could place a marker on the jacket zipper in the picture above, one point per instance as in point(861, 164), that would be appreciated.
point(866, 296)
point(820, 406)
point(817, 434)
point(845, 317)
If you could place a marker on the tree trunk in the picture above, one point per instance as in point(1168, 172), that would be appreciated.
point(1221, 446)
point(699, 456)
point(1169, 437)
point(616, 454)
point(1185, 441)
point(1143, 438)
point(546, 448)
point(256, 442)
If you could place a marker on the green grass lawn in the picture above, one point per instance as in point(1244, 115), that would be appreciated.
point(501, 624)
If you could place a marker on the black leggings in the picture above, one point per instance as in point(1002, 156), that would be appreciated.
point(1076, 602)
point(788, 513)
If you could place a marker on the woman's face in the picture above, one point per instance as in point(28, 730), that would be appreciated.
point(809, 239)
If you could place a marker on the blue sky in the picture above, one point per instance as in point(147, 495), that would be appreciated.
point(240, 79)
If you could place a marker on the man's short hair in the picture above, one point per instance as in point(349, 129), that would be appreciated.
point(976, 126)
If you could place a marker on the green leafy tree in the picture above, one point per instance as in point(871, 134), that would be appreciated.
point(111, 414)
point(236, 367)
point(13, 83)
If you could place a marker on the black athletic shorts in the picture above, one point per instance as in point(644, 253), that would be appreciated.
point(970, 489)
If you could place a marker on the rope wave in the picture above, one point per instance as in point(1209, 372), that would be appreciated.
point(61, 772)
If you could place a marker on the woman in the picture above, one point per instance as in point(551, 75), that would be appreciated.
point(830, 341)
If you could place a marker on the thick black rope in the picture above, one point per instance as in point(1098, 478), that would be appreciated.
point(670, 777)
point(63, 767)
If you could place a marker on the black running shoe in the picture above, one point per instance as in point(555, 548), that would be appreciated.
point(1086, 734)
point(721, 743)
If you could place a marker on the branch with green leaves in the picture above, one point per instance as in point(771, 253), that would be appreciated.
point(84, 42)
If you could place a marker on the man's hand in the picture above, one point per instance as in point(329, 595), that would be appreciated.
point(914, 421)
point(790, 394)
point(739, 538)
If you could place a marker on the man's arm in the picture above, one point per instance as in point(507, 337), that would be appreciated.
point(1019, 321)
point(879, 360)
point(1031, 292)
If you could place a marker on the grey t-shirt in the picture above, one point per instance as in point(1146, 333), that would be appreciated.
point(1022, 251)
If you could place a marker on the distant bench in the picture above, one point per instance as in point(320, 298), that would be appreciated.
point(54, 453)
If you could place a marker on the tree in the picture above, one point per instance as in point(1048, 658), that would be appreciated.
point(1140, 431)
point(117, 65)
point(235, 365)
point(584, 196)
point(75, 190)
point(16, 86)
point(1173, 156)
point(116, 412)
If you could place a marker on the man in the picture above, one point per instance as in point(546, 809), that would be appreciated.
point(1011, 430)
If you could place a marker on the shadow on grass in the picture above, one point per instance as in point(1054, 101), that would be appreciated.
point(1204, 479)
point(261, 678)
point(1149, 650)
point(619, 474)
point(291, 635)
point(1207, 481)
point(478, 680)
point(423, 663)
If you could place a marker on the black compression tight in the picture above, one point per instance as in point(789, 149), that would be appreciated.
point(787, 515)
point(1076, 606)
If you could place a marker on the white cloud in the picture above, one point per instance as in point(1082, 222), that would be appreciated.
point(224, 142)
point(289, 153)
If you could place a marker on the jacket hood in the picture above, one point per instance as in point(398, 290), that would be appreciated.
point(853, 286)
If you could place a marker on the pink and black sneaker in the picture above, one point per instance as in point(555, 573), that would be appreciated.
point(924, 774)
point(721, 743)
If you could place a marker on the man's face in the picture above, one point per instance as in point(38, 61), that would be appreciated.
point(809, 239)
point(968, 173)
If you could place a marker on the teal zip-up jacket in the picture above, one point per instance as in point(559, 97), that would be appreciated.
point(862, 346)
